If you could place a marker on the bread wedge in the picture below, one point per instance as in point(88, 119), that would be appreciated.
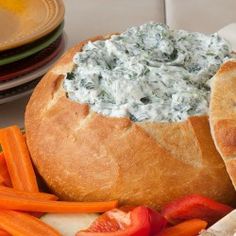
point(223, 115)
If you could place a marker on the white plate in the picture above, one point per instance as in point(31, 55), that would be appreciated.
point(34, 74)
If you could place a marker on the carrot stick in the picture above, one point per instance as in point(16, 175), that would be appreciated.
point(187, 228)
point(23, 204)
point(5, 191)
point(1, 180)
point(20, 224)
point(4, 175)
point(18, 159)
point(4, 233)
point(36, 214)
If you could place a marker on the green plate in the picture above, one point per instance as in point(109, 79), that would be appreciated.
point(32, 49)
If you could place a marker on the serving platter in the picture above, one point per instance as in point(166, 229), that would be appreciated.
point(18, 92)
point(21, 53)
point(22, 67)
point(21, 24)
point(34, 74)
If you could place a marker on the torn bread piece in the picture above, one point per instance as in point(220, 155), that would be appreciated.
point(223, 115)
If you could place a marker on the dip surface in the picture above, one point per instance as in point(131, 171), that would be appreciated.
point(147, 73)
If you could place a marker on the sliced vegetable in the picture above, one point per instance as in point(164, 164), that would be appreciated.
point(111, 221)
point(187, 228)
point(18, 159)
point(37, 214)
point(5, 191)
point(1, 180)
point(21, 224)
point(4, 233)
point(195, 206)
point(23, 204)
point(120, 223)
point(157, 221)
point(4, 175)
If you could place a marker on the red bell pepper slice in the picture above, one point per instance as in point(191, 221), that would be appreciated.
point(157, 222)
point(141, 221)
point(195, 206)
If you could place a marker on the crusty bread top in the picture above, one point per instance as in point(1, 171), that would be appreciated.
point(223, 115)
point(83, 155)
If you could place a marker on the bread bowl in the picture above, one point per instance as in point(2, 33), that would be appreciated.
point(84, 155)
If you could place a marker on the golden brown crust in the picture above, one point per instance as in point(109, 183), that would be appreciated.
point(223, 115)
point(85, 156)
point(227, 67)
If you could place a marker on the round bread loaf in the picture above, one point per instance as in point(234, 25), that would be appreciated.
point(86, 156)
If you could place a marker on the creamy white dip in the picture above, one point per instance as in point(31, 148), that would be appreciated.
point(148, 73)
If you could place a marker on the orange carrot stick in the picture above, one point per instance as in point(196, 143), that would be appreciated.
point(4, 175)
point(4, 233)
point(5, 191)
point(187, 228)
point(20, 224)
point(18, 159)
point(23, 204)
point(1, 180)
point(36, 214)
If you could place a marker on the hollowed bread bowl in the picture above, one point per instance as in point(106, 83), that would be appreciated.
point(85, 156)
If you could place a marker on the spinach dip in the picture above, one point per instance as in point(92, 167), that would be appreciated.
point(147, 73)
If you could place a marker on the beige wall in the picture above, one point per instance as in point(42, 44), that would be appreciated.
point(86, 18)
point(200, 15)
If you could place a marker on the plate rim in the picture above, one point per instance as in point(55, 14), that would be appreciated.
point(34, 74)
point(43, 30)
point(15, 96)
point(33, 50)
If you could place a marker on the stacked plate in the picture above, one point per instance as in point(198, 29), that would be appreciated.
point(31, 41)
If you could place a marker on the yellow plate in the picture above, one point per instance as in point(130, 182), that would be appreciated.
point(23, 21)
